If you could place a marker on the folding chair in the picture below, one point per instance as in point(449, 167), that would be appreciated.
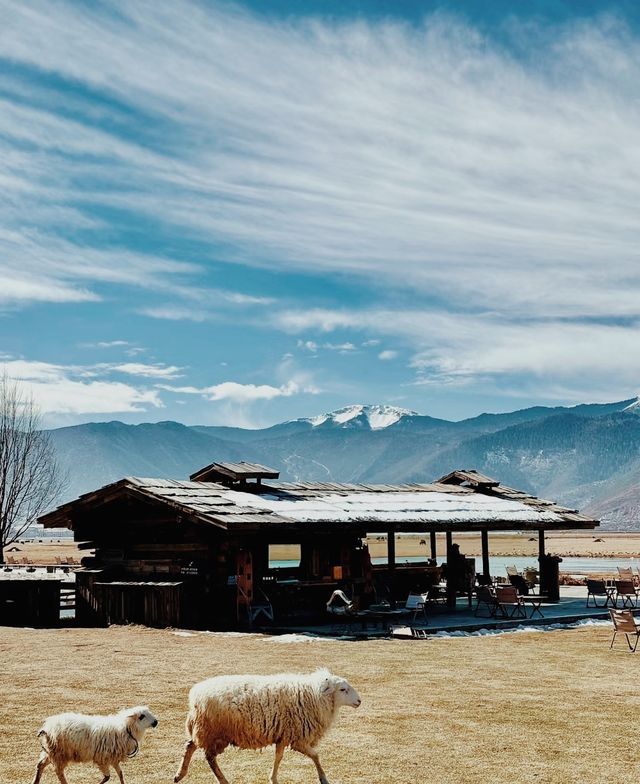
point(416, 604)
point(599, 589)
point(486, 598)
point(624, 622)
point(509, 602)
point(626, 591)
point(519, 583)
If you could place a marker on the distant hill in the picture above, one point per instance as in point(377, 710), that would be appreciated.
point(586, 457)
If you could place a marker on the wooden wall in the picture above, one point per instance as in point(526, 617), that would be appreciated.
point(30, 603)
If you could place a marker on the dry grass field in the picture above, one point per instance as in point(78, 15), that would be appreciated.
point(566, 543)
point(552, 707)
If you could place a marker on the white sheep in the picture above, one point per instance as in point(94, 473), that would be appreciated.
point(104, 740)
point(254, 711)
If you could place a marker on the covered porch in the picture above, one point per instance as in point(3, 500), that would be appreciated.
point(198, 553)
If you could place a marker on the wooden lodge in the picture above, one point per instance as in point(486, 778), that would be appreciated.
point(196, 553)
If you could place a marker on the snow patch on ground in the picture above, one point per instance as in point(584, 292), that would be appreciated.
point(289, 638)
point(548, 627)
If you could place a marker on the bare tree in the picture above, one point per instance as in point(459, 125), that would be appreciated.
point(30, 475)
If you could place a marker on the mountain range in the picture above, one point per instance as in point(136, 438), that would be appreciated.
point(586, 457)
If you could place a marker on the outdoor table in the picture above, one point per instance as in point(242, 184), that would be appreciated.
point(535, 600)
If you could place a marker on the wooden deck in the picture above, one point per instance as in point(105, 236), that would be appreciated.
point(570, 609)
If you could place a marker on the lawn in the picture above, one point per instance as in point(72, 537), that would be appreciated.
point(525, 707)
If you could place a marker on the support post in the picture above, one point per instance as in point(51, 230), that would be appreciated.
point(391, 564)
point(541, 551)
point(451, 578)
point(432, 536)
point(485, 556)
point(391, 550)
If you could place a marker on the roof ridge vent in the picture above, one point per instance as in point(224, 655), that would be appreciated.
point(236, 475)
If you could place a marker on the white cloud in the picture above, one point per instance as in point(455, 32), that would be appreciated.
point(429, 157)
point(60, 390)
point(239, 393)
point(428, 160)
point(463, 349)
point(150, 371)
point(387, 354)
point(109, 344)
point(313, 347)
point(246, 393)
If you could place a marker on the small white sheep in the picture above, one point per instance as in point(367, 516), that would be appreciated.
point(254, 711)
point(104, 740)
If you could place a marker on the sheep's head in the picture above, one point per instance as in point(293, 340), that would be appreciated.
point(140, 719)
point(343, 692)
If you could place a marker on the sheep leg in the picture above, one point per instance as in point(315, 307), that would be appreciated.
point(310, 752)
point(189, 749)
point(60, 772)
point(273, 779)
point(42, 764)
point(213, 764)
point(118, 770)
point(105, 772)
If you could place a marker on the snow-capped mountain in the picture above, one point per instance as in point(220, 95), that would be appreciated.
point(585, 456)
point(634, 406)
point(374, 417)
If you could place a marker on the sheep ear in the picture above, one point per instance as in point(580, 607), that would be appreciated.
point(328, 686)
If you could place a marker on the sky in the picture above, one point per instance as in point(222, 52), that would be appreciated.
point(244, 213)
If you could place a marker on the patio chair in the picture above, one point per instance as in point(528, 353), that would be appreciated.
point(599, 589)
point(512, 571)
point(416, 604)
point(624, 622)
point(626, 591)
point(437, 594)
point(627, 573)
point(486, 598)
point(509, 602)
point(519, 583)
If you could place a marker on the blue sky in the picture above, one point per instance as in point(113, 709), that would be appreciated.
point(244, 213)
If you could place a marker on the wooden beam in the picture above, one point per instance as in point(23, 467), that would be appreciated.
point(485, 554)
point(541, 550)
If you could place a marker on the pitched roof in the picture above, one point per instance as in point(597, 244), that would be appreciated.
point(406, 507)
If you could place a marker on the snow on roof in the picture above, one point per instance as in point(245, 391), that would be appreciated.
point(396, 507)
point(375, 506)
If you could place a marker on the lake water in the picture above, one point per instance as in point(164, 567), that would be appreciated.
point(499, 562)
